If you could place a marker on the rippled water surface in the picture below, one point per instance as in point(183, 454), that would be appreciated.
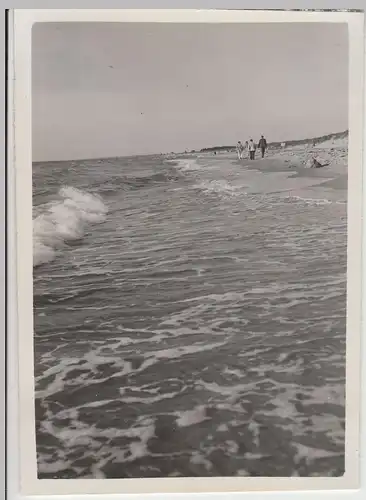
point(190, 322)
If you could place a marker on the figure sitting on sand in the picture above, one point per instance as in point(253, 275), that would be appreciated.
point(262, 144)
point(251, 148)
point(316, 164)
point(240, 150)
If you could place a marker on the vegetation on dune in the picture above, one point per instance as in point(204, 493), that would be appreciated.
point(218, 148)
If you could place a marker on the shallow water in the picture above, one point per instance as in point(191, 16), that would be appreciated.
point(189, 320)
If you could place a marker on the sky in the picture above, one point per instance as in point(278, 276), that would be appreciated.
point(116, 89)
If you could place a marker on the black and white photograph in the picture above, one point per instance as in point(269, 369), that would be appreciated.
point(189, 193)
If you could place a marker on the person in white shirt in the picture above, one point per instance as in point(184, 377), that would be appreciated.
point(251, 148)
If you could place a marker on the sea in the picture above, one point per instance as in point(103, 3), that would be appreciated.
point(189, 319)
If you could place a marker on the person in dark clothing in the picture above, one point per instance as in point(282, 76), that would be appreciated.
point(262, 144)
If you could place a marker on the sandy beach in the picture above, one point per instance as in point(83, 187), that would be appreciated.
point(295, 161)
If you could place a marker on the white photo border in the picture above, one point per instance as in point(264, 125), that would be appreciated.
point(21, 408)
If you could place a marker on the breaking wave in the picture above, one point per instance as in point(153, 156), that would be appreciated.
point(185, 165)
point(63, 221)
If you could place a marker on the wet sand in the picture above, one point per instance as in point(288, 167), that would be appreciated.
point(340, 182)
point(332, 176)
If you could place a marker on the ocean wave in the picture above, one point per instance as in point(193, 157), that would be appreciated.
point(131, 183)
point(63, 221)
point(220, 187)
point(185, 165)
point(225, 189)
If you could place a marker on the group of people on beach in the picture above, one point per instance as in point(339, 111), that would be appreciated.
point(250, 148)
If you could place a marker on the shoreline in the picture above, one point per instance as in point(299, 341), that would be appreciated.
point(295, 162)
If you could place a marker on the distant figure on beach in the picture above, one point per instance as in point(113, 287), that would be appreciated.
point(317, 164)
point(283, 145)
point(247, 148)
point(262, 144)
point(240, 150)
point(251, 148)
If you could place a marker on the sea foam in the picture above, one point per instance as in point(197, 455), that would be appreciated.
point(63, 221)
point(185, 165)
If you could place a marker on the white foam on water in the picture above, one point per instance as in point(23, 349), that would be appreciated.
point(185, 164)
point(311, 454)
point(222, 187)
point(198, 459)
point(192, 417)
point(63, 221)
point(146, 400)
point(222, 428)
point(309, 201)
